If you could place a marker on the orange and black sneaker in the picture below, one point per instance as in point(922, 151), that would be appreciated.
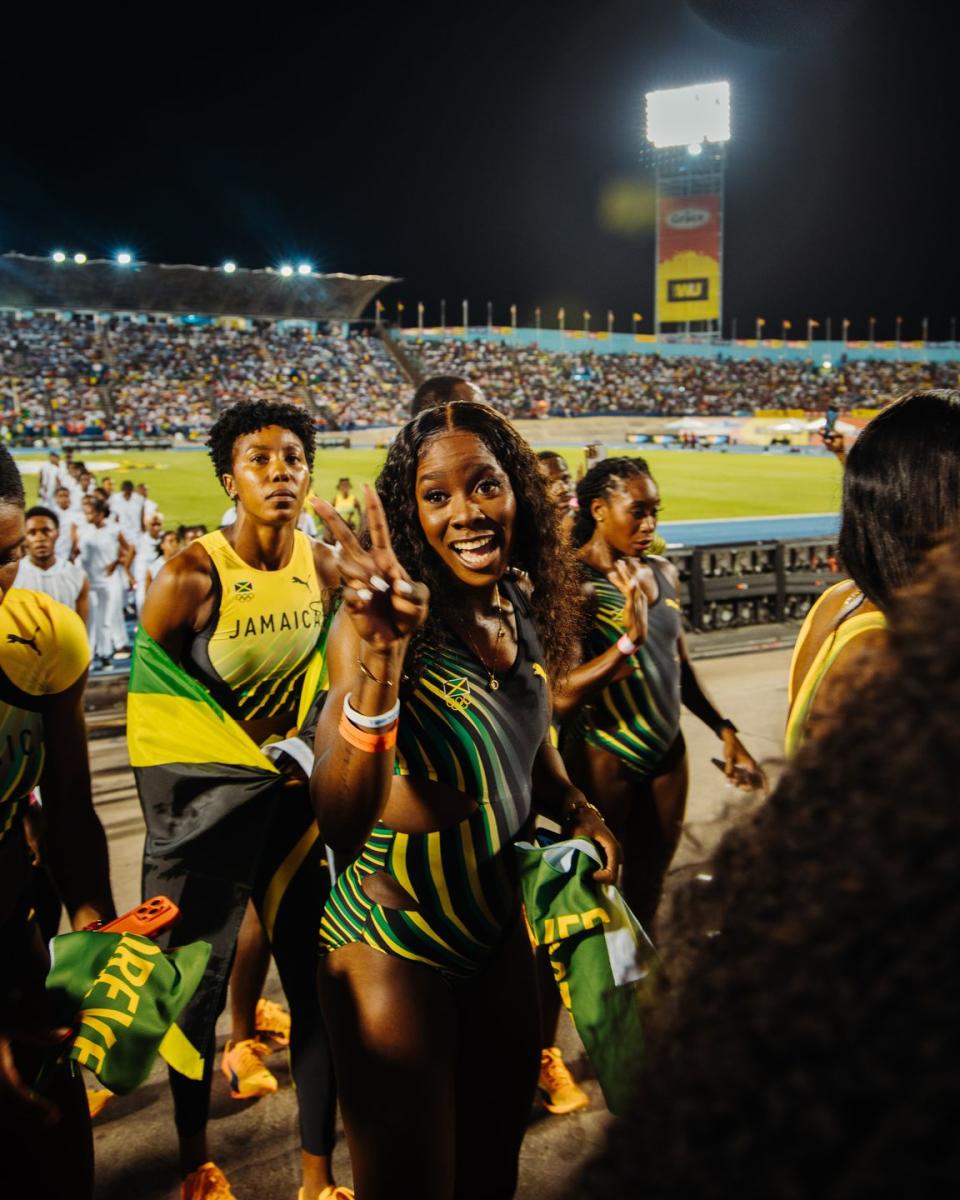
point(273, 1022)
point(559, 1091)
point(207, 1182)
point(242, 1063)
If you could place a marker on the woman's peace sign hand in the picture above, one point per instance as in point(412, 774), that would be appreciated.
point(385, 605)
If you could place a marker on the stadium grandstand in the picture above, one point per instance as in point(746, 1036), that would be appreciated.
point(146, 353)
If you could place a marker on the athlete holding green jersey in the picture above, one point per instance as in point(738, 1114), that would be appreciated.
point(44, 659)
point(432, 751)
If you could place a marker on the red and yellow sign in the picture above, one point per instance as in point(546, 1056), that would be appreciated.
point(688, 259)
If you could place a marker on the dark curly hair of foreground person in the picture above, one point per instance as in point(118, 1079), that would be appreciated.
point(806, 1043)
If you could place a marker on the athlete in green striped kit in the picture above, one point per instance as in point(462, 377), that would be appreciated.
point(432, 752)
point(621, 736)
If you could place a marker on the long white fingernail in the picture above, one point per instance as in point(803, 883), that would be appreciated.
point(404, 588)
point(379, 583)
point(364, 594)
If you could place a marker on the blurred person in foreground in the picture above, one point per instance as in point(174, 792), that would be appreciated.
point(901, 489)
point(804, 1040)
point(43, 670)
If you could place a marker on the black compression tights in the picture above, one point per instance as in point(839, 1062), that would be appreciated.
point(294, 948)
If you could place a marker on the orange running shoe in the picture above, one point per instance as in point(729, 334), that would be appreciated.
point(97, 1100)
point(242, 1063)
point(273, 1021)
point(207, 1182)
point(333, 1192)
point(558, 1089)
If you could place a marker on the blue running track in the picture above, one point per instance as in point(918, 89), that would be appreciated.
point(750, 529)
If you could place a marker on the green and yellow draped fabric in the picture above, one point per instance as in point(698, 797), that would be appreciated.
point(602, 959)
point(209, 795)
point(122, 995)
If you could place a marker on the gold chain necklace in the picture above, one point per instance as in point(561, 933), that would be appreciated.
point(493, 683)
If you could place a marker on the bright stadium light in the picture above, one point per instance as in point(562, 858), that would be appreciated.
point(286, 270)
point(229, 267)
point(58, 256)
point(689, 116)
point(305, 269)
point(80, 258)
point(124, 258)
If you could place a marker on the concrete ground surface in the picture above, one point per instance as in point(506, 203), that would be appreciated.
point(255, 1143)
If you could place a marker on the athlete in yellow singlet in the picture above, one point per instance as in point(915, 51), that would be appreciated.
point(901, 490)
point(347, 505)
point(44, 658)
point(243, 610)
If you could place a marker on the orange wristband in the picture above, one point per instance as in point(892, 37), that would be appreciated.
point(361, 739)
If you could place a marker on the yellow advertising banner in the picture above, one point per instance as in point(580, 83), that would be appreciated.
point(688, 258)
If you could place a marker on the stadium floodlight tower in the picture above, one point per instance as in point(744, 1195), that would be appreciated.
point(688, 129)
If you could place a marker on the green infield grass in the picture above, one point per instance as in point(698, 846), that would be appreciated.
point(694, 485)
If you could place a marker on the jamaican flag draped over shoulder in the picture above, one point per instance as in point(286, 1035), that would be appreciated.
point(215, 805)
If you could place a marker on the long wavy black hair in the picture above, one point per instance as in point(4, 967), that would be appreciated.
point(537, 547)
point(901, 491)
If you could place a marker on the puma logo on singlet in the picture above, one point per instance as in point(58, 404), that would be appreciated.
point(297, 579)
point(14, 640)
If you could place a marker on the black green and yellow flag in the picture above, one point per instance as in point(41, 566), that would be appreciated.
point(123, 995)
point(601, 958)
point(208, 795)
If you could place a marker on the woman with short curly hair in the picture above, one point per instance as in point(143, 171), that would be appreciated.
point(242, 612)
point(432, 752)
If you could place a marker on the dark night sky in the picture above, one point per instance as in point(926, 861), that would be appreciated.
point(495, 152)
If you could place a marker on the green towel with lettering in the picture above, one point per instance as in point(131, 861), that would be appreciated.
point(602, 960)
point(122, 995)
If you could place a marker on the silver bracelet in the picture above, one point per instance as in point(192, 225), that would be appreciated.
point(380, 721)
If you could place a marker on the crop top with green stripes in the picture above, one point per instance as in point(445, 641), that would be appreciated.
point(456, 730)
point(638, 718)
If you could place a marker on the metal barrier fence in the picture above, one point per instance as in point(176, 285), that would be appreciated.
point(753, 583)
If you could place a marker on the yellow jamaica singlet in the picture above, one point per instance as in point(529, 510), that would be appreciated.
point(43, 651)
point(264, 630)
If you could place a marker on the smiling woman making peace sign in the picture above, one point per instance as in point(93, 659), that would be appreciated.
point(432, 752)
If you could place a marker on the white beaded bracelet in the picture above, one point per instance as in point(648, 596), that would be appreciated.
point(380, 721)
point(625, 645)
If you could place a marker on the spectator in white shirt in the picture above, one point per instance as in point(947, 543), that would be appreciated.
point(51, 476)
point(127, 507)
point(105, 556)
point(145, 561)
point(43, 571)
point(169, 546)
point(70, 521)
point(149, 506)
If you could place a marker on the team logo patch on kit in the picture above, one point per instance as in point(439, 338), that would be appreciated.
point(456, 693)
point(243, 590)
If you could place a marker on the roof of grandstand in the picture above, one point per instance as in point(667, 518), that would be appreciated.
point(102, 285)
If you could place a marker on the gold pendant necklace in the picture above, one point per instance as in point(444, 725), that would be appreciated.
point(493, 683)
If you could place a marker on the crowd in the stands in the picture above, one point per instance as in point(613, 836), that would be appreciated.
point(117, 379)
point(524, 381)
point(63, 377)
